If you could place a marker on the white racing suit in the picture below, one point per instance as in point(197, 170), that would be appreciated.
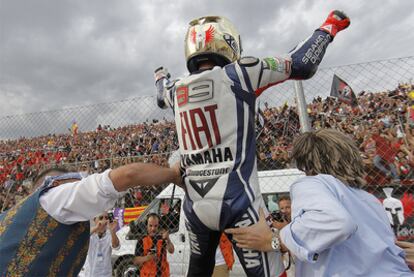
point(215, 121)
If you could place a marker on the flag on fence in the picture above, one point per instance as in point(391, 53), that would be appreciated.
point(74, 128)
point(130, 214)
point(119, 216)
point(125, 216)
point(341, 90)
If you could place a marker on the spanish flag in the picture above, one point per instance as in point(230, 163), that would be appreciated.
point(130, 214)
point(74, 128)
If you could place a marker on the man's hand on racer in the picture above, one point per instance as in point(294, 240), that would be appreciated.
point(257, 236)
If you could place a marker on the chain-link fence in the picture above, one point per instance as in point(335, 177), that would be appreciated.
point(380, 117)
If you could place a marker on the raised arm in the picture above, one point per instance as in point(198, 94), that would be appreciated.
point(114, 238)
point(300, 63)
point(164, 87)
point(307, 55)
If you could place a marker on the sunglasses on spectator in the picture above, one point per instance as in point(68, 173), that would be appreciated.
point(103, 217)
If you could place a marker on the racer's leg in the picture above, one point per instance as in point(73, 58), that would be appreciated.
point(203, 244)
point(256, 263)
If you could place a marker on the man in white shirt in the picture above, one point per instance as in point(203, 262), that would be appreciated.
point(103, 239)
point(47, 234)
point(84, 198)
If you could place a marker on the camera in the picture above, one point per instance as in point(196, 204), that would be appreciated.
point(153, 250)
point(278, 216)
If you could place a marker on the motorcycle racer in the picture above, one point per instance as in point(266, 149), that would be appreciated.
point(214, 109)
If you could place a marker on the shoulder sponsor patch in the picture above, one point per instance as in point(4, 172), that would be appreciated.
point(278, 64)
point(271, 63)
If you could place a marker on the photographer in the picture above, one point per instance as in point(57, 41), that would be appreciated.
point(103, 239)
point(282, 217)
point(151, 250)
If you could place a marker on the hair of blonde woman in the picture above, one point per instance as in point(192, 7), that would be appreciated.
point(327, 151)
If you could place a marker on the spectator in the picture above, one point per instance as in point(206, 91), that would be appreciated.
point(385, 153)
point(54, 219)
point(285, 207)
point(338, 229)
point(103, 239)
point(281, 221)
point(406, 163)
point(151, 250)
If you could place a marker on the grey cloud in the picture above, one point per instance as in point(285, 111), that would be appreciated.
point(57, 54)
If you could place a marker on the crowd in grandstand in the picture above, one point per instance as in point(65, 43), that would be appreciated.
point(381, 123)
point(92, 151)
point(386, 113)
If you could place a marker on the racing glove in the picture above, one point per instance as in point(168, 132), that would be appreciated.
point(163, 86)
point(336, 22)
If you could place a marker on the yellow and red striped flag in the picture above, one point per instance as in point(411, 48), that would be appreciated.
point(130, 214)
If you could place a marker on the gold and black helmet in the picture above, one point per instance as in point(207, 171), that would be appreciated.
point(211, 38)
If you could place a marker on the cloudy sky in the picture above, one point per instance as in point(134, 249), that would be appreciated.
point(56, 54)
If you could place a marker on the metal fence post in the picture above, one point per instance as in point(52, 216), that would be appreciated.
point(301, 105)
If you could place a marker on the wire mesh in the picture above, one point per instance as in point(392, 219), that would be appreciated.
point(93, 138)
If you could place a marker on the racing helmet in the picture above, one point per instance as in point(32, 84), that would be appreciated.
point(211, 38)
